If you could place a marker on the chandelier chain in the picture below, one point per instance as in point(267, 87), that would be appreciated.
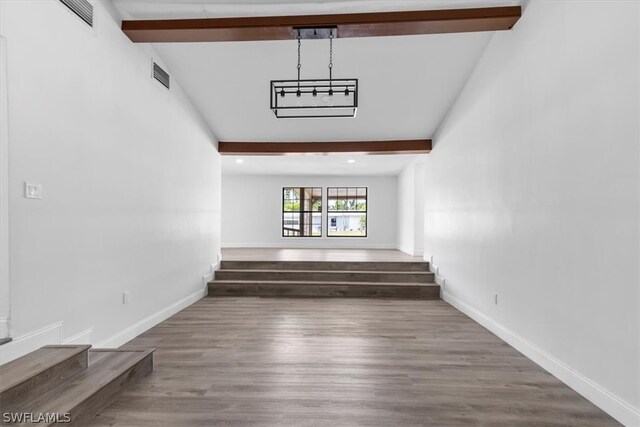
point(299, 64)
point(299, 43)
point(331, 50)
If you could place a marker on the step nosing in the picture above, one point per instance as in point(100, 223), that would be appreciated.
point(372, 272)
point(324, 261)
point(309, 282)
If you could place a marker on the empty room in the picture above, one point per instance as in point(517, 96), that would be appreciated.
point(320, 213)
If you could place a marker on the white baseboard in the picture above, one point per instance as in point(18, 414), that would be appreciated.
point(211, 274)
point(4, 327)
point(148, 322)
point(84, 337)
point(618, 408)
point(411, 252)
point(51, 334)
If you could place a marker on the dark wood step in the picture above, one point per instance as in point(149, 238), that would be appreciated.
point(328, 276)
point(236, 288)
point(88, 392)
point(41, 370)
point(325, 265)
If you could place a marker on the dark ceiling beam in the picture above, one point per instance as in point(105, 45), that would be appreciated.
point(413, 146)
point(348, 25)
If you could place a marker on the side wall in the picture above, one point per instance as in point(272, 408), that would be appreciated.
point(252, 211)
point(533, 196)
point(130, 178)
point(411, 187)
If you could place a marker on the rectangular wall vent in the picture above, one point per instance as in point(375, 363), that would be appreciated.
point(82, 8)
point(161, 75)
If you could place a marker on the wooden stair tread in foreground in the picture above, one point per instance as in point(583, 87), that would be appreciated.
point(73, 380)
point(411, 280)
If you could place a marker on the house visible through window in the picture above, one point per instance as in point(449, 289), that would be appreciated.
point(347, 212)
point(302, 212)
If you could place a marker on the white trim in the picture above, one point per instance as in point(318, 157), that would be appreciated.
point(83, 337)
point(5, 293)
point(51, 334)
point(150, 321)
point(211, 274)
point(408, 251)
point(4, 327)
point(618, 408)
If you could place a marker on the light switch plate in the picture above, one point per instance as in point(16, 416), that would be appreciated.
point(32, 191)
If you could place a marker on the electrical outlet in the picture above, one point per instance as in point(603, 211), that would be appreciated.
point(32, 191)
point(125, 297)
point(495, 299)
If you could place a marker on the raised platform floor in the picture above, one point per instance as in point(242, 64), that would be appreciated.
point(293, 254)
point(323, 273)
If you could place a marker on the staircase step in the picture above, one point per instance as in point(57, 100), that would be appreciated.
point(94, 388)
point(325, 265)
point(329, 276)
point(283, 288)
point(41, 370)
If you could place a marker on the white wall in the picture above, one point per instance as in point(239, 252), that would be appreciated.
point(252, 211)
point(533, 194)
point(4, 194)
point(411, 188)
point(130, 177)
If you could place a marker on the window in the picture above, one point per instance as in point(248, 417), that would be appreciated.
point(347, 212)
point(302, 212)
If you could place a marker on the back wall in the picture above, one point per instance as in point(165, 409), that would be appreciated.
point(252, 211)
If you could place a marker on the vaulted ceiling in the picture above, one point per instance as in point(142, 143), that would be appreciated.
point(407, 83)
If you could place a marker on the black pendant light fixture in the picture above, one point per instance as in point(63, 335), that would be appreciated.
point(314, 98)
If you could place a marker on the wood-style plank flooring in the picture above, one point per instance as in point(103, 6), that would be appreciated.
point(339, 362)
point(363, 255)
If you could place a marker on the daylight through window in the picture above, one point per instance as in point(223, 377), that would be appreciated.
point(347, 212)
point(302, 212)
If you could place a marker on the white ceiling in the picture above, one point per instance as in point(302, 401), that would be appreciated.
point(407, 83)
point(334, 164)
point(166, 9)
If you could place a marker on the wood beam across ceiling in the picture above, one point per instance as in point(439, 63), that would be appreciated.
point(347, 24)
point(414, 146)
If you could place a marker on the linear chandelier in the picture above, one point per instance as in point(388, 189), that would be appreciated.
point(314, 98)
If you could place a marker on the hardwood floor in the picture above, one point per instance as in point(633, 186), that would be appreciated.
point(339, 362)
point(358, 255)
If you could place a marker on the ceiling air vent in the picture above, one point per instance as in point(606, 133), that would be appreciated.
point(161, 75)
point(82, 8)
